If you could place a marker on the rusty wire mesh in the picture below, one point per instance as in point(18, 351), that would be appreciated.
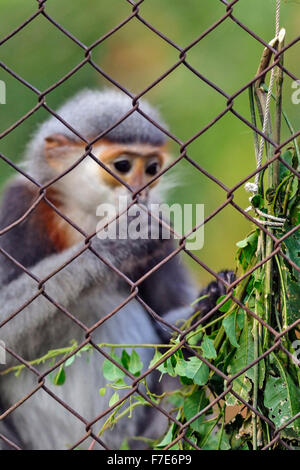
point(41, 284)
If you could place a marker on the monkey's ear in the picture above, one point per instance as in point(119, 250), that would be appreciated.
point(57, 147)
point(57, 140)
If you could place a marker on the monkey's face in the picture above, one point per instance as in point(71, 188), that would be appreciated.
point(127, 169)
point(133, 168)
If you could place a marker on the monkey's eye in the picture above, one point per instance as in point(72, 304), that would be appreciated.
point(152, 168)
point(123, 166)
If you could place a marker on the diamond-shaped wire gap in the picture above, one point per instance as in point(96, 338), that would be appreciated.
point(17, 19)
point(186, 184)
point(257, 223)
point(28, 85)
point(45, 403)
point(176, 21)
point(60, 60)
point(259, 39)
point(220, 237)
point(211, 214)
point(15, 400)
point(231, 160)
point(31, 300)
point(182, 55)
point(116, 29)
point(27, 104)
point(186, 102)
point(12, 168)
point(31, 396)
point(262, 41)
point(260, 18)
point(229, 67)
point(135, 64)
point(81, 24)
point(241, 105)
point(251, 126)
point(237, 301)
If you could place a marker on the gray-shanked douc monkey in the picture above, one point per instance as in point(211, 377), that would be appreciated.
point(86, 287)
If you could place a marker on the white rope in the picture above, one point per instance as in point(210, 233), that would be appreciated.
point(253, 187)
point(266, 115)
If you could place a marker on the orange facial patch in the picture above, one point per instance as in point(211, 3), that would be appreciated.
point(138, 155)
point(60, 152)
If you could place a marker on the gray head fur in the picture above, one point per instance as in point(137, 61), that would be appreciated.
point(90, 113)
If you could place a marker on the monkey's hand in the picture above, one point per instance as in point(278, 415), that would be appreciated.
point(213, 291)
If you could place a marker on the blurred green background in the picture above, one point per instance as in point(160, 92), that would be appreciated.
point(135, 56)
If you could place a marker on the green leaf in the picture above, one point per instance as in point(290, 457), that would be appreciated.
point(292, 277)
point(125, 359)
point(175, 446)
point(194, 337)
point(257, 201)
point(243, 356)
point(168, 437)
point(247, 249)
point(193, 369)
point(102, 391)
point(114, 398)
point(112, 372)
point(140, 399)
point(240, 319)
point(229, 324)
point(225, 307)
point(60, 377)
point(214, 441)
point(176, 400)
point(170, 365)
point(251, 241)
point(287, 156)
point(239, 359)
point(135, 364)
point(208, 348)
point(242, 243)
point(70, 361)
point(282, 398)
point(125, 445)
point(157, 356)
point(192, 406)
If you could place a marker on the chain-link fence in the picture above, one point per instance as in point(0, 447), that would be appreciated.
point(276, 337)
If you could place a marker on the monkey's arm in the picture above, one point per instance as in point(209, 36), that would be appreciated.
point(64, 287)
point(169, 291)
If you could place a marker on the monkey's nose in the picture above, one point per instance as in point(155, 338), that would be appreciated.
point(142, 196)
